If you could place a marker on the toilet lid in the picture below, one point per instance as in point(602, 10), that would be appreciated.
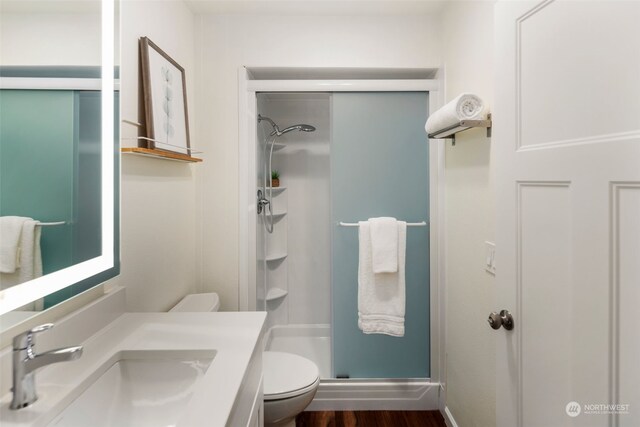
point(287, 375)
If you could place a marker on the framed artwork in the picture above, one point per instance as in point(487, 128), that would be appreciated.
point(165, 100)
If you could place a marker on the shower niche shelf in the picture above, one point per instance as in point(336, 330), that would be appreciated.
point(278, 217)
point(276, 190)
point(276, 257)
point(276, 293)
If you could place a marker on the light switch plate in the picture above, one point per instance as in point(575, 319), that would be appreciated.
point(490, 257)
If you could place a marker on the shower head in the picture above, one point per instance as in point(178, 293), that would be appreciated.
point(278, 132)
point(303, 128)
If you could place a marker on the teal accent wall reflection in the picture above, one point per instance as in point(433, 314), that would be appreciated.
point(50, 170)
point(379, 167)
point(37, 166)
point(87, 206)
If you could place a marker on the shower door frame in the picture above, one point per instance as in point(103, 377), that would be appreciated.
point(398, 394)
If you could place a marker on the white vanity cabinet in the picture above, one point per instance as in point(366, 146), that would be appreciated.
point(248, 409)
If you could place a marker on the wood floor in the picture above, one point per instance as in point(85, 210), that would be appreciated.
point(371, 419)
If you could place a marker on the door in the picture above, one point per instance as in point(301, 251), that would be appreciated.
point(567, 145)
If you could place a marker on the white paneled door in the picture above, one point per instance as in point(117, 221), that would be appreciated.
point(567, 145)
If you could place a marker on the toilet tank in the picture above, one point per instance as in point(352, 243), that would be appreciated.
point(198, 303)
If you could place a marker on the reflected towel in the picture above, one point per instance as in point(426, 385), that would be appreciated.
point(10, 231)
point(384, 244)
point(29, 256)
point(381, 297)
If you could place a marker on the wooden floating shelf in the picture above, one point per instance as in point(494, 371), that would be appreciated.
point(159, 154)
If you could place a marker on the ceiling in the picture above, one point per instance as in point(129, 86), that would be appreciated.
point(316, 7)
point(50, 6)
point(249, 7)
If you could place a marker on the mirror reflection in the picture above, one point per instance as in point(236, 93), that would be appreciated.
point(49, 173)
point(50, 142)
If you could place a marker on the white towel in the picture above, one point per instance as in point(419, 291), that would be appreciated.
point(384, 244)
point(466, 106)
point(29, 258)
point(10, 231)
point(381, 297)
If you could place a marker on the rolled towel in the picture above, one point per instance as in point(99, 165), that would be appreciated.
point(466, 106)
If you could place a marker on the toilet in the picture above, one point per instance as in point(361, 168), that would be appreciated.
point(198, 303)
point(290, 381)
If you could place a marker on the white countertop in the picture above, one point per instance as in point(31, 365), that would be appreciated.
point(234, 336)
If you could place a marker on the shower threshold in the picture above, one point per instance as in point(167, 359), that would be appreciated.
point(314, 343)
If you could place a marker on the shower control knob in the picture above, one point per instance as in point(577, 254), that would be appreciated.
point(262, 202)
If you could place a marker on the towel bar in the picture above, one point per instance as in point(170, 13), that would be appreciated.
point(49, 224)
point(450, 132)
point(409, 224)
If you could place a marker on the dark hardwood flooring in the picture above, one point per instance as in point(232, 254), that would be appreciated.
point(370, 419)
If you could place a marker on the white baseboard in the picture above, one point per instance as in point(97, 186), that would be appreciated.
point(448, 418)
point(366, 395)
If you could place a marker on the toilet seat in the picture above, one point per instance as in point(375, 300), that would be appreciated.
point(288, 375)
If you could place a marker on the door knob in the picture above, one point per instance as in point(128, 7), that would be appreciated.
point(504, 319)
point(495, 321)
point(507, 319)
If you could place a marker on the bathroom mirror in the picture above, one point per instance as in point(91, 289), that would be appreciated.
point(58, 152)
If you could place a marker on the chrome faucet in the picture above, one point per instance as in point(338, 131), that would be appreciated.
point(26, 361)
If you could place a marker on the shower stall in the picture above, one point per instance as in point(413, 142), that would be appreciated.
point(341, 157)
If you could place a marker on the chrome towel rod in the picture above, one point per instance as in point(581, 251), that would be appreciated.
point(49, 224)
point(409, 224)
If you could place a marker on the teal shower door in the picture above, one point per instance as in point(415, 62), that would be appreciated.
point(379, 167)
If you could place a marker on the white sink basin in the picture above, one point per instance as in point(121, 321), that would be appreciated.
point(138, 388)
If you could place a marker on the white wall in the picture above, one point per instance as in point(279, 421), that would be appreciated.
point(53, 38)
point(229, 42)
point(470, 343)
point(160, 218)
